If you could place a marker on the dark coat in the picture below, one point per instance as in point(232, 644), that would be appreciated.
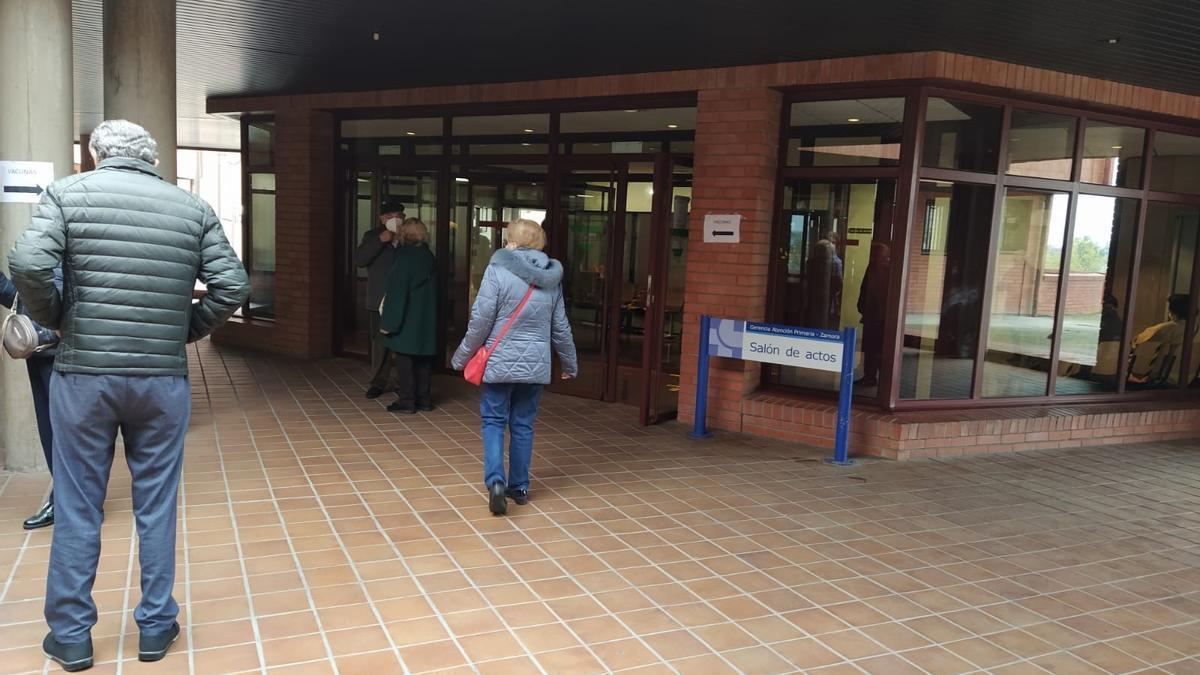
point(377, 257)
point(410, 307)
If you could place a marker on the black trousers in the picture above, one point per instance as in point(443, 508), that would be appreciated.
point(413, 375)
point(40, 370)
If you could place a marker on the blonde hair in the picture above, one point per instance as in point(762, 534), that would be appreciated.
point(413, 231)
point(524, 233)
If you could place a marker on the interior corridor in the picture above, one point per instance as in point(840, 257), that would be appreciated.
point(321, 534)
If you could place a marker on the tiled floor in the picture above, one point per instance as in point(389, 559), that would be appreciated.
point(320, 534)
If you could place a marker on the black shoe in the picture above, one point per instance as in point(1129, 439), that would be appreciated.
point(154, 647)
point(43, 518)
point(497, 502)
point(399, 407)
point(72, 658)
point(425, 407)
point(374, 393)
point(521, 497)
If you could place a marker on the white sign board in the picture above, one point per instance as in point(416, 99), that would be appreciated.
point(24, 181)
point(722, 228)
point(773, 343)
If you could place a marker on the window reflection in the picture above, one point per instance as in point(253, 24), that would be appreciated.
point(1112, 155)
point(846, 133)
point(1096, 290)
point(1163, 300)
point(1041, 145)
point(961, 135)
point(1025, 293)
point(838, 268)
point(943, 302)
point(1176, 163)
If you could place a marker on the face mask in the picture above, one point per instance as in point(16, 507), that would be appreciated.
point(392, 224)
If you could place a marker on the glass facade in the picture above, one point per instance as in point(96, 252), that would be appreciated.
point(1039, 263)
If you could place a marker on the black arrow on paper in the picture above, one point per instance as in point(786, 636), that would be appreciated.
point(722, 233)
point(24, 189)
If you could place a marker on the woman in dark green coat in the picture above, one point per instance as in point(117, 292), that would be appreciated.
point(408, 317)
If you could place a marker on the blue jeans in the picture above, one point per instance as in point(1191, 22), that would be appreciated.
point(87, 411)
point(514, 406)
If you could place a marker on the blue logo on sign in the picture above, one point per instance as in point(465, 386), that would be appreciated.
point(725, 338)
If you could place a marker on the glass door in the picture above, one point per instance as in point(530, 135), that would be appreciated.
point(666, 258)
point(591, 210)
point(358, 213)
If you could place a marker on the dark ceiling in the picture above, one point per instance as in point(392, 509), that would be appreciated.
point(229, 47)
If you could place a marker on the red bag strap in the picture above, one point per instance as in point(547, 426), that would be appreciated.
point(512, 318)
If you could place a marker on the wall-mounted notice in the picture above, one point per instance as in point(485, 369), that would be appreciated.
point(722, 228)
point(24, 181)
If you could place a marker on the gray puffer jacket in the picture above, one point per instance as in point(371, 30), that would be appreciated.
point(523, 357)
point(132, 247)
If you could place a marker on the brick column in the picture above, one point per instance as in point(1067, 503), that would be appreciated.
point(737, 139)
point(304, 184)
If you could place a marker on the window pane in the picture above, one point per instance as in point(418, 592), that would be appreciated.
point(626, 131)
point(1112, 155)
point(1094, 313)
point(262, 246)
point(846, 133)
point(1176, 163)
point(961, 135)
point(262, 142)
point(945, 290)
point(1041, 145)
point(417, 136)
point(1025, 293)
point(1160, 308)
point(502, 134)
point(838, 269)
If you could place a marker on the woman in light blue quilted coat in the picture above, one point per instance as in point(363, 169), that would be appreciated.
point(519, 367)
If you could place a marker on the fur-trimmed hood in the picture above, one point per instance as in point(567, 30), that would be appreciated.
point(532, 267)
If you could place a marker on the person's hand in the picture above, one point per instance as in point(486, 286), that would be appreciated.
point(386, 236)
point(565, 376)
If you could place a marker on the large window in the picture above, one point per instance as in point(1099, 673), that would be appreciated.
point(944, 299)
point(1048, 253)
point(258, 239)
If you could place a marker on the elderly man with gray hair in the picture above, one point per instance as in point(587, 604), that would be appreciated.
point(132, 247)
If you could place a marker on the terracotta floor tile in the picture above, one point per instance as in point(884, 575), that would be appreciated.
point(373, 663)
point(709, 664)
point(226, 660)
point(357, 640)
point(287, 625)
point(576, 660)
point(807, 653)
point(546, 638)
point(624, 654)
point(758, 660)
point(293, 650)
point(726, 556)
point(430, 657)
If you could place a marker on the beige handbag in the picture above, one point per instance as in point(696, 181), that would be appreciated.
point(20, 335)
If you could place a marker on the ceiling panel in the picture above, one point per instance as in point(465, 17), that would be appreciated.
point(229, 47)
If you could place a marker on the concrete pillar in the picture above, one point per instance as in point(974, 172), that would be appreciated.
point(36, 124)
point(139, 70)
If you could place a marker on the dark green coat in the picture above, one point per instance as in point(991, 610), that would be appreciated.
point(410, 306)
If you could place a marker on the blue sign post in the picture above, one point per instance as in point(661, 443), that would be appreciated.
point(831, 351)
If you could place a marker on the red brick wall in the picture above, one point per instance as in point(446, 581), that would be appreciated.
point(304, 184)
point(737, 138)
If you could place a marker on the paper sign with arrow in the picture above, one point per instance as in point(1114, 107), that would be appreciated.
point(24, 181)
point(722, 228)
